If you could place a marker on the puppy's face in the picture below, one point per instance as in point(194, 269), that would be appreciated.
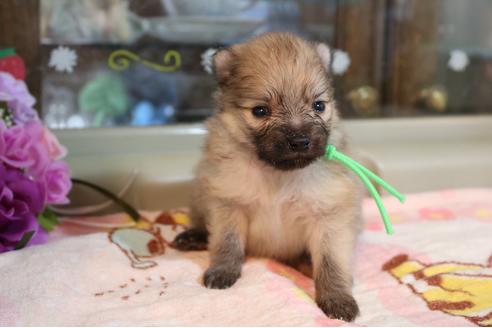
point(275, 97)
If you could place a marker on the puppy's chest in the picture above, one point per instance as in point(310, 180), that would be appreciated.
point(279, 229)
point(282, 207)
point(249, 183)
point(280, 219)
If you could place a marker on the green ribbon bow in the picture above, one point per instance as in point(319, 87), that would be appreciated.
point(365, 174)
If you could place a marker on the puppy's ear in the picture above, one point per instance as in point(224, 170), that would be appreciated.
point(222, 64)
point(324, 52)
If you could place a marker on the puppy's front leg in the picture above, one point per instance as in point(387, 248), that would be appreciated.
point(226, 244)
point(331, 249)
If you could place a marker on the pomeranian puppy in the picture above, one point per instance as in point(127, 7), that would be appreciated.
point(262, 186)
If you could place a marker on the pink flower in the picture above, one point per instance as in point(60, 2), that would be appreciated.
point(14, 146)
point(38, 153)
point(55, 150)
point(57, 182)
point(21, 146)
point(34, 149)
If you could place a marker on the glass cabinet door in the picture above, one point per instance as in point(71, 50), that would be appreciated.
point(139, 63)
point(439, 57)
point(110, 63)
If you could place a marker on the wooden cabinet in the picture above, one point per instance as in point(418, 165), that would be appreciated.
point(19, 28)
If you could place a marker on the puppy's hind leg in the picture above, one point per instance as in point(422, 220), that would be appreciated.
point(195, 238)
point(303, 264)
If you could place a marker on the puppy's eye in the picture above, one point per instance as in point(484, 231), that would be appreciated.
point(260, 111)
point(319, 106)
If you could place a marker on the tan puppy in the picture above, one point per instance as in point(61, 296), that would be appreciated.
point(262, 187)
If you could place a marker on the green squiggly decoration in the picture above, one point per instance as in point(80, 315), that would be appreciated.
point(120, 60)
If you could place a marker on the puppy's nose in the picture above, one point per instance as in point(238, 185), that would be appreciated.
point(299, 143)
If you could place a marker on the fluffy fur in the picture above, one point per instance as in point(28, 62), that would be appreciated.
point(254, 193)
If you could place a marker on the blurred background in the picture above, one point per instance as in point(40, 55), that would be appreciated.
point(100, 68)
point(393, 58)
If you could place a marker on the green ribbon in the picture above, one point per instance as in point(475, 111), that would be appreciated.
point(365, 175)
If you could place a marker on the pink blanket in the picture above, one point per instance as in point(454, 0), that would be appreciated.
point(436, 270)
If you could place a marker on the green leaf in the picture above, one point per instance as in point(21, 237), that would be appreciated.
point(48, 220)
point(5, 114)
point(7, 52)
point(25, 239)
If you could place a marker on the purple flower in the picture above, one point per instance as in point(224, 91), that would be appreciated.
point(31, 174)
point(21, 201)
point(17, 96)
point(21, 146)
point(57, 182)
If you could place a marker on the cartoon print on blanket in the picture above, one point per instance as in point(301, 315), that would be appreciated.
point(144, 241)
point(460, 289)
point(133, 287)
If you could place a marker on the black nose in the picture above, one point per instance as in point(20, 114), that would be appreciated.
point(299, 143)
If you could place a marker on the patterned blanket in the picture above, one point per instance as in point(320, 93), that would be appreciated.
point(435, 270)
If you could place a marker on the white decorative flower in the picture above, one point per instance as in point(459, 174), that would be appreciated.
point(458, 60)
point(76, 122)
point(63, 59)
point(341, 62)
point(55, 118)
point(207, 60)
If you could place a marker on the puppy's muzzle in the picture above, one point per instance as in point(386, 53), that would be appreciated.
point(286, 148)
point(299, 143)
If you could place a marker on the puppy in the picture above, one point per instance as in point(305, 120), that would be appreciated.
point(262, 187)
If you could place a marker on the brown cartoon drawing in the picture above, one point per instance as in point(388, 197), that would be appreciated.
point(136, 288)
point(145, 241)
point(460, 289)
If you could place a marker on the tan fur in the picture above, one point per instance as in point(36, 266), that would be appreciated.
point(262, 210)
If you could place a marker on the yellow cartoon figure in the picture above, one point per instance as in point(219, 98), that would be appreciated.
point(461, 289)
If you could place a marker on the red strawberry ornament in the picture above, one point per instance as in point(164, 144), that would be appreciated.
point(12, 63)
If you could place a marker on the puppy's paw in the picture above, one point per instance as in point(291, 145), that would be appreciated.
point(339, 306)
point(220, 277)
point(191, 240)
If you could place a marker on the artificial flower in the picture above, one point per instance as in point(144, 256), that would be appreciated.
point(16, 95)
point(21, 201)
